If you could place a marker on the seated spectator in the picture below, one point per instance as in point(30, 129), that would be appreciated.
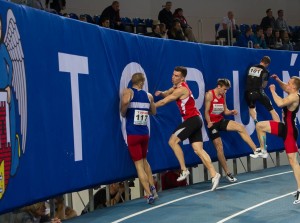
point(286, 44)
point(155, 31)
point(83, 18)
point(246, 40)
point(187, 29)
point(259, 39)
point(224, 27)
point(35, 4)
point(57, 5)
point(104, 22)
point(281, 24)
point(169, 180)
point(61, 211)
point(176, 32)
point(268, 21)
point(117, 195)
point(165, 15)
point(113, 13)
point(278, 40)
point(163, 30)
point(35, 213)
point(270, 38)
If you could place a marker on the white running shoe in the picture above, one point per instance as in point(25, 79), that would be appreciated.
point(257, 154)
point(231, 178)
point(264, 154)
point(215, 181)
point(183, 175)
point(297, 196)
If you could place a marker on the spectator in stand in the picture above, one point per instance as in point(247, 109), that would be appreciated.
point(116, 193)
point(187, 29)
point(286, 44)
point(155, 31)
point(281, 24)
point(35, 4)
point(278, 40)
point(104, 22)
point(169, 180)
point(62, 211)
point(227, 22)
point(270, 38)
point(163, 30)
point(246, 40)
point(268, 21)
point(176, 32)
point(113, 13)
point(56, 5)
point(35, 213)
point(165, 15)
point(259, 39)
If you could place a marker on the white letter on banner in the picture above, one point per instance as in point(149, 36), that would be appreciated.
point(127, 73)
point(75, 65)
point(196, 75)
point(250, 127)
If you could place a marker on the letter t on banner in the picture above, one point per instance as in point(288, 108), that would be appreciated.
point(75, 65)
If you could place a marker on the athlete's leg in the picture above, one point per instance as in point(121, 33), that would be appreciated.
point(275, 116)
point(261, 129)
point(139, 165)
point(292, 157)
point(198, 149)
point(253, 114)
point(174, 144)
point(235, 126)
point(220, 153)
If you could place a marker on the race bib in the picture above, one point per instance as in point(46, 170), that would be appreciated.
point(255, 71)
point(217, 109)
point(140, 117)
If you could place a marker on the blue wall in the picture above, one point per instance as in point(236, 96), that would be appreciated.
point(66, 100)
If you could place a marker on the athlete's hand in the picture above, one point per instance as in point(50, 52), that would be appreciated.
point(274, 76)
point(234, 112)
point(158, 93)
point(272, 87)
point(210, 124)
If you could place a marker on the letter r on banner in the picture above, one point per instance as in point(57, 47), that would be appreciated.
point(75, 65)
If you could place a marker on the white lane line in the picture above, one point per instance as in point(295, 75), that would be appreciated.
point(255, 206)
point(193, 195)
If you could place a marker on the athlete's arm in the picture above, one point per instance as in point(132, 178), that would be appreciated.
point(226, 110)
point(282, 102)
point(164, 93)
point(152, 110)
point(177, 93)
point(208, 99)
point(281, 84)
point(264, 84)
point(126, 98)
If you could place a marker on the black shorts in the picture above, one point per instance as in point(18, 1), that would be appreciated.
point(191, 129)
point(213, 132)
point(258, 95)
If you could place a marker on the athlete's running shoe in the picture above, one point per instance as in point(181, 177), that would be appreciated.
point(231, 178)
point(183, 175)
point(154, 192)
point(297, 196)
point(150, 199)
point(215, 181)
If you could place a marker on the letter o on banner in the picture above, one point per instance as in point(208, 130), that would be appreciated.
point(127, 73)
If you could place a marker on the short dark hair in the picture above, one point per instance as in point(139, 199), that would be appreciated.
point(268, 10)
point(280, 10)
point(182, 70)
point(266, 60)
point(224, 82)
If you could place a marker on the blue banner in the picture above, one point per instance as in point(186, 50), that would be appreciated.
point(60, 86)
